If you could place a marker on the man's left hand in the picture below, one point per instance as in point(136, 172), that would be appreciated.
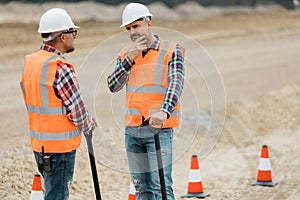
point(158, 119)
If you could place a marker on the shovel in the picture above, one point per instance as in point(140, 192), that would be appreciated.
point(159, 160)
point(88, 138)
point(160, 167)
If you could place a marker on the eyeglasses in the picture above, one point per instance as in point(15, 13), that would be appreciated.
point(74, 32)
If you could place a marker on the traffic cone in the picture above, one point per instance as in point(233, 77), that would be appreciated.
point(264, 175)
point(195, 188)
point(131, 195)
point(36, 192)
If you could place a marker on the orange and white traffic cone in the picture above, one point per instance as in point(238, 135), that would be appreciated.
point(195, 188)
point(36, 192)
point(131, 195)
point(264, 175)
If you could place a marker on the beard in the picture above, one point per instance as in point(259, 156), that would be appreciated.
point(71, 49)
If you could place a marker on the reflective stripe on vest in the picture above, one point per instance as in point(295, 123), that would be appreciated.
point(53, 136)
point(134, 111)
point(175, 113)
point(44, 89)
point(157, 89)
point(160, 63)
point(47, 110)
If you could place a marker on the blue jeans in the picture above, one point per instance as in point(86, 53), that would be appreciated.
point(58, 180)
point(142, 160)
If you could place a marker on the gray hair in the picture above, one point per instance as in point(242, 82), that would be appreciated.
point(47, 37)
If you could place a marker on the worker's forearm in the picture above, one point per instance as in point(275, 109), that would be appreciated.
point(118, 78)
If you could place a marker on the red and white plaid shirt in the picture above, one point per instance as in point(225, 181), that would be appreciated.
point(67, 89)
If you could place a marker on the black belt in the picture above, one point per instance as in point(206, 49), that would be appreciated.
point(145, 122)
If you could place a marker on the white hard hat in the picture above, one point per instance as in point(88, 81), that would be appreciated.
point(55, 19)
point(133, 12)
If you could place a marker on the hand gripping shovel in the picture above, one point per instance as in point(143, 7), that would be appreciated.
point(88, 138)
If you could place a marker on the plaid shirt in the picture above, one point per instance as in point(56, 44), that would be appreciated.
point(67, 89)
point(118, 78)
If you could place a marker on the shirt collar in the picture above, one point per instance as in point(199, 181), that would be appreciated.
point(156, 44)
point(51, 49)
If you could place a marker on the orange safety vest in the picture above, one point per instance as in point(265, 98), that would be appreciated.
point(147, 85)
point(48, 122)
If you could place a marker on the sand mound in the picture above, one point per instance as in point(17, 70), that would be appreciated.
point(274, 111)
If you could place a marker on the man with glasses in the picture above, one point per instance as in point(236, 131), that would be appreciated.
point(56, 111)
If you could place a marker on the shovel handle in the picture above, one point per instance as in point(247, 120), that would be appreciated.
point(88, 138)
point(156, 132)
point(160, 167)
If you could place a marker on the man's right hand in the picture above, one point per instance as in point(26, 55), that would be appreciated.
point(94, 123)
point(140, 44)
